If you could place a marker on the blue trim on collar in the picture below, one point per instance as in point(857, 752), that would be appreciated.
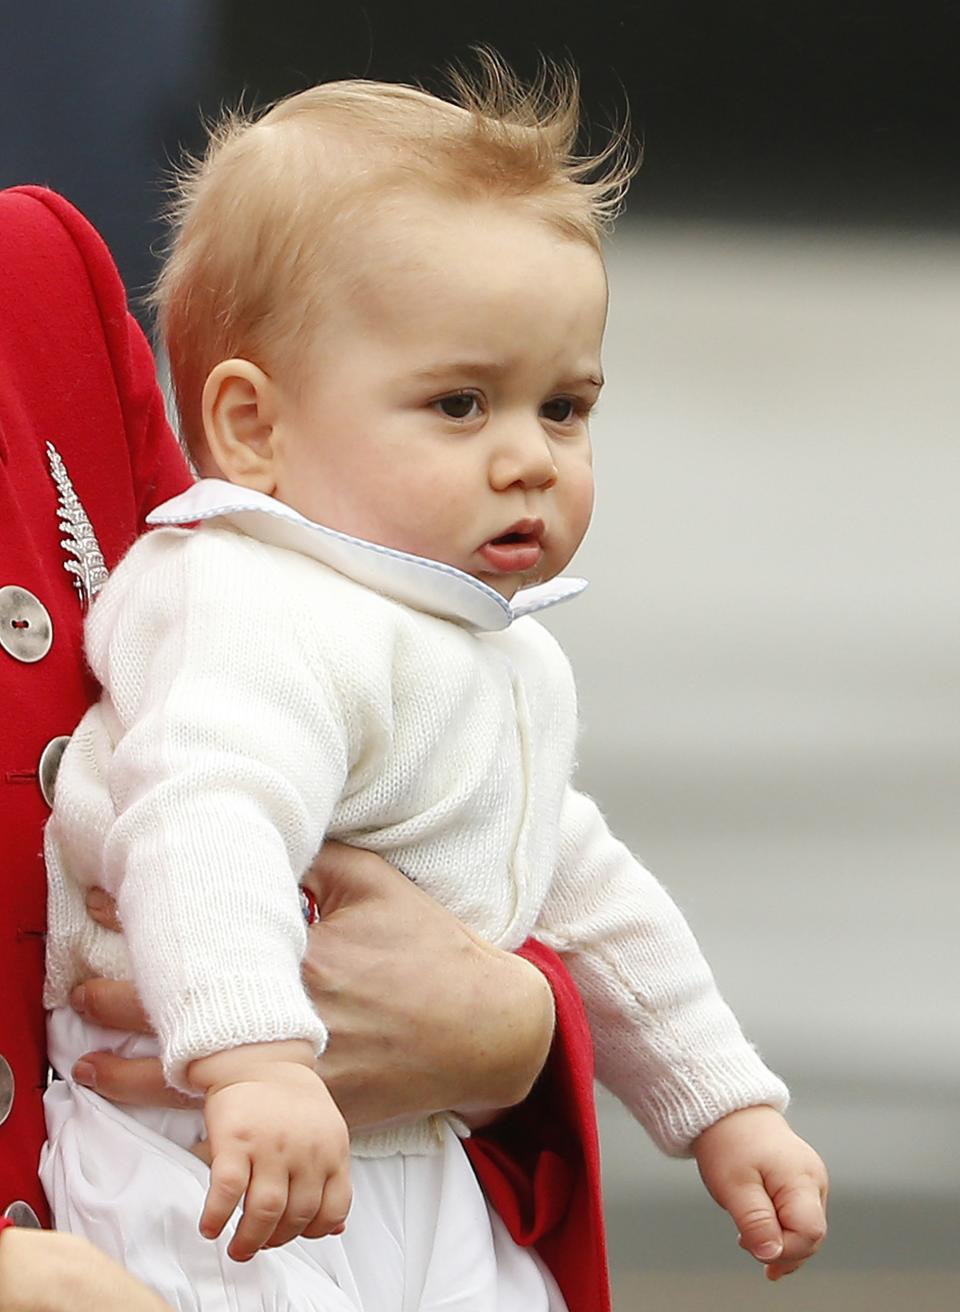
point(429, 585)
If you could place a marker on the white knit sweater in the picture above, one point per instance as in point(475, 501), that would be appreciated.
point(257, 700)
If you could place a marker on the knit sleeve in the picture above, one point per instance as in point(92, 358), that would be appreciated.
point(666, 1043)
point(230, 753)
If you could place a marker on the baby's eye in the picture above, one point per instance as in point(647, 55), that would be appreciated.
point(559, 410)
point(459, 405)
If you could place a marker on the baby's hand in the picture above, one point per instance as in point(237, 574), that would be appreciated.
point(772, 1183)
point(275, 1136)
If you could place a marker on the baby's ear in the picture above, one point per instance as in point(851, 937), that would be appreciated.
point(239, 416)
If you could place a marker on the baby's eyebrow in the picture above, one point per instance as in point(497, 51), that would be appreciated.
point(594, 381)
point(477, 368)
point(489, 369)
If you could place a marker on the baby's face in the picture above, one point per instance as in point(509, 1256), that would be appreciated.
point(444, 410)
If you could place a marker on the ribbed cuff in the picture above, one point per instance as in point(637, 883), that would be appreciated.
point(675, 1112)
point(230, 1012)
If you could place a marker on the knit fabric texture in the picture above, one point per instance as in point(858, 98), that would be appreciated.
point(257, 701)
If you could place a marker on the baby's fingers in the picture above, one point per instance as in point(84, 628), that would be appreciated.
point(331, 1219)
point(803, 1216)
point(796, 1250)
point(794, 1253)
point(229, 1176)
point(265, 1204)
point(756, 1219)
point(303, 1206)
point(777, 1270)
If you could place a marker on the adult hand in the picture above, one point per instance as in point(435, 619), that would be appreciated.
point(42, 1271)
point(423, 1015)
point(771, 1182)
point(115, 1004)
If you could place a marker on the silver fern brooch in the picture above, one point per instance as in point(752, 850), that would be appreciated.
point(86, 562)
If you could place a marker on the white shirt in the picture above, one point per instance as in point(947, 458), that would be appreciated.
point(268, 683)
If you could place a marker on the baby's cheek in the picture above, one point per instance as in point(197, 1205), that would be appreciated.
point(576, 510)
point(581, 507)
point(433, 530)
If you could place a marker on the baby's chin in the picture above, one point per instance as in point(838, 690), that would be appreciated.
point(508, 585)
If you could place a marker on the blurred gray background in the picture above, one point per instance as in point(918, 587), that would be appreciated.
point(768, 663)
point(768, 652)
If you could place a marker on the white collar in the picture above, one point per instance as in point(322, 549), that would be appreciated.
point(423, 584)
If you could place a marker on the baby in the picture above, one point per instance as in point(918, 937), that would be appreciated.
point(384, 314)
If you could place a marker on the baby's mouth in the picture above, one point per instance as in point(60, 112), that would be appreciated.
point(516, 551)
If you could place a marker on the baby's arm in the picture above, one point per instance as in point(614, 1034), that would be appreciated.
point(425, 1016)
point(228, 761)
point(668, 1045)
point(276, 1139)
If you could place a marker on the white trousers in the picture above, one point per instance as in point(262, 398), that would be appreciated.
point(420, 1236)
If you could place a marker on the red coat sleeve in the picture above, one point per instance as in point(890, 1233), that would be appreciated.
point(540, 1165)
point(75, 371)
point(67, 271)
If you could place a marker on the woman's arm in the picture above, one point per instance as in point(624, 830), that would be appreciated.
point(41, 1271)
point(405, 989)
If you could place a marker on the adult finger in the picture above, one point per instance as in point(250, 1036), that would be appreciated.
point(756, 1220)
point(113, 1003)
point(341, 874)
point(229, 1176)
point(132, 1081)
point(102, 908)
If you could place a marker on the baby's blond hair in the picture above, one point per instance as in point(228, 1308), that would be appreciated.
point(261, 221)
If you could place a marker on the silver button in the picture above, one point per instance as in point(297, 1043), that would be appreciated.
point(7, 1086)
point(21, 1213)
point(49, 766)
point(26, 629)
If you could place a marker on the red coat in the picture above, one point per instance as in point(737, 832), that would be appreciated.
point(76, 371)
point(540, 1166)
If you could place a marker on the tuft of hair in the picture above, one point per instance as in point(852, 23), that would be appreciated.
point(260, 224)
point(531, 131)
